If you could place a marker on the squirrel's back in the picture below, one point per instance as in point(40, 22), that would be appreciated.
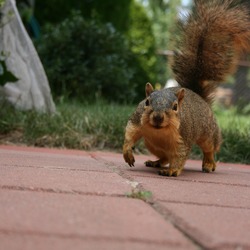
point(212, 39)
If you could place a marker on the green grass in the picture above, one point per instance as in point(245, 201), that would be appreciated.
point(101, 126)
point(74, 126)
point(236, 136)
point(140, 195)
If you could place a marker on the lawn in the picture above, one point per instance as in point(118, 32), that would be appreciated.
point(101, 126)
point(236, 136)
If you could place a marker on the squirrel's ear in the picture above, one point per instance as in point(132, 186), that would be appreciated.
point(180, 95)
point(148, 89)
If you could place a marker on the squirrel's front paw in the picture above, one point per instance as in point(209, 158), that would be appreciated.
point(129, 157)
point(170, 172)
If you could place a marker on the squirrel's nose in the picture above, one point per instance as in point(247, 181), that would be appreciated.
point(157, 118)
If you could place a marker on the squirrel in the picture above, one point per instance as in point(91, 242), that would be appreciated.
point(171, 120)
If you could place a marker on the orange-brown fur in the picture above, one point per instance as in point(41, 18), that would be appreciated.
point(172, 120)
point(163, 143)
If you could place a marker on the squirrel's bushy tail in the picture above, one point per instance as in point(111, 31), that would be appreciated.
point(212, 38)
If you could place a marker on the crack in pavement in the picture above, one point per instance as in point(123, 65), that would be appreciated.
point(202, 204)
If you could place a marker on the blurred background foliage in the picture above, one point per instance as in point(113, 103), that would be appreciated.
point(105, 49)
point(133, 42)
point(86, 59)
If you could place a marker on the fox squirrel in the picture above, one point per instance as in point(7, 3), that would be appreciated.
point(172, 120)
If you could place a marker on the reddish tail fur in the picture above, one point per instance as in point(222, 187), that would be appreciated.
point(212, 39)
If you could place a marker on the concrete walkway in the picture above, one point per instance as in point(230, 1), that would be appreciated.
point(66, 199)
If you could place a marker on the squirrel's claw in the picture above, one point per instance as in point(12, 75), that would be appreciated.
point(129, 158)
point(131, 161)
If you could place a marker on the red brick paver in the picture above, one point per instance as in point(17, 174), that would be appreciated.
point(70, 199)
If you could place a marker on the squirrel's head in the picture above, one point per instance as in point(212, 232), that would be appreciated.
point(161, 108)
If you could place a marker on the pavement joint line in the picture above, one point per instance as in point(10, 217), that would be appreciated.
point(120, 168)
point(73, 192)
point(167, 215)
point(152, 202)
point(196, 236)
point(180, 225)
point(114, 168)
point(58, 191)
point(192, 181)
point(187, 231)
point(55, 168)
point(89, 237)
point(191, 233)
point(202, 204)
point(129, 179)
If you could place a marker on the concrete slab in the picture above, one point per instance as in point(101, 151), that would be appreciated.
point(62, 151)
point(213, 227)
point(46, 159)
point(63, 180)
point(94, 217)
point(175, 190)
point(71, 199)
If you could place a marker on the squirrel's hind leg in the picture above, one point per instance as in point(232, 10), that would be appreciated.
point(177, 162)
point(175, 167)
point(210, 144)
point(156, 164)
point(208, 163)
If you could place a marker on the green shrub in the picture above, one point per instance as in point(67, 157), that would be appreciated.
point(86, 59)
point(112, 11)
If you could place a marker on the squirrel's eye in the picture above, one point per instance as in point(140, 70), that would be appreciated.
point(147, 103)
point(175, 107)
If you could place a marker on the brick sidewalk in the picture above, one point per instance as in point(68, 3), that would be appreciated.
point(66, 199)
